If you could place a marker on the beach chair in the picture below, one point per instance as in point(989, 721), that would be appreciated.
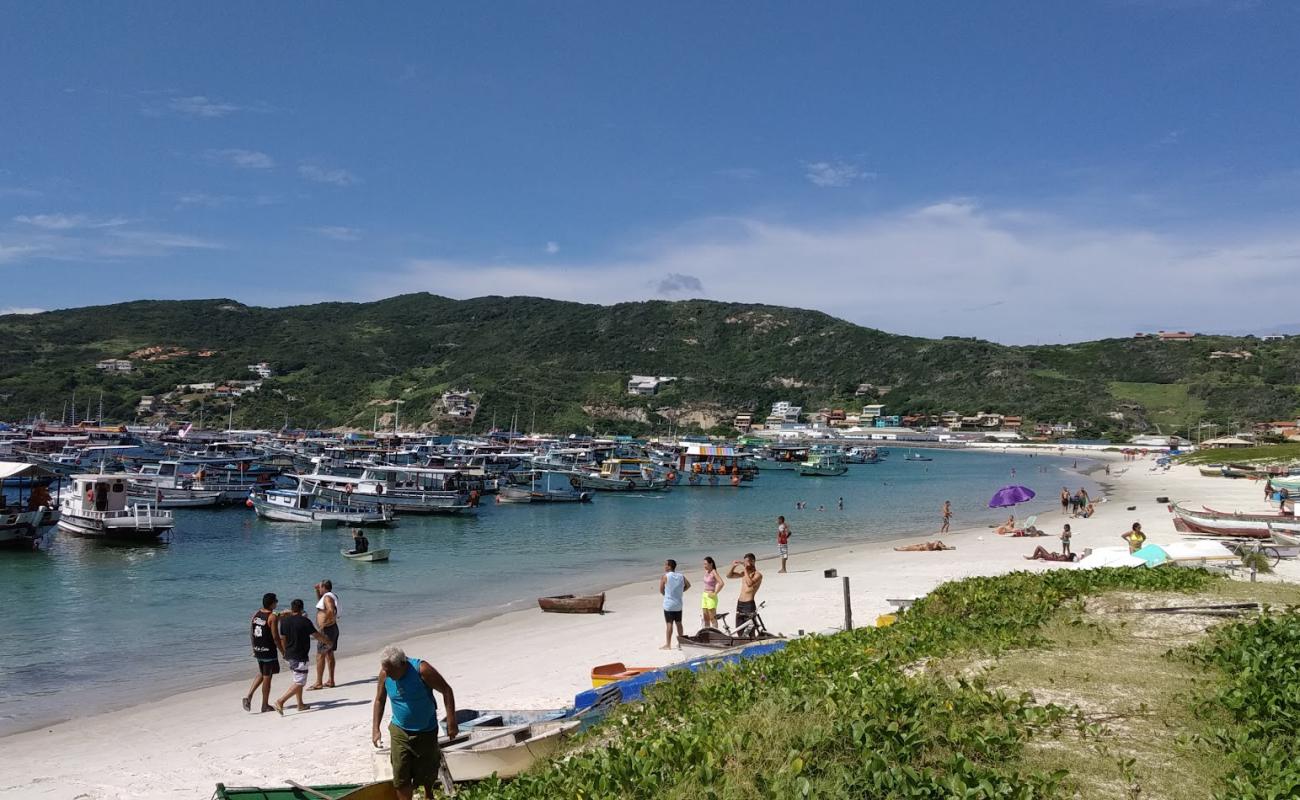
point(1027, 528)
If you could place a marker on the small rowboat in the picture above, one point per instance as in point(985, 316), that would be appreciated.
point(505, 752)
point(369, 555)
point(610, 673)
point(573, 604)
point(382, 790)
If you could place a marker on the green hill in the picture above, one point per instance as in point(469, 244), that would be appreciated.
point(566, 364)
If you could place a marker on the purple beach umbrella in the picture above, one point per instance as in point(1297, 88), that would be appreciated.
point(1010, 495)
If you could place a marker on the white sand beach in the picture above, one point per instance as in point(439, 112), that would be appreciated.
point(181, 746)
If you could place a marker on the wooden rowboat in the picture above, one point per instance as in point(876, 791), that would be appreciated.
point(505, 752)
point(369, 555)
point(573, 604)
point(609, 673)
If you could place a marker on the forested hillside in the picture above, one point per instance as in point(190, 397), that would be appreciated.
point(566, 365)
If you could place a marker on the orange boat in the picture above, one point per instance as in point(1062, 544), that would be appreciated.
point(609, 673)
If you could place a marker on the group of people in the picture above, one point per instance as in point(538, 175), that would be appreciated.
point(1077, 504)
point(802, 505)
point(673, 585)
point(277, 635)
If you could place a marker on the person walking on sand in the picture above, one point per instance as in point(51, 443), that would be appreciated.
point(782, 541)
point(672, 584)
point(947, 516)
point(750, 581)
point(327, 620)
point(1135, 537)
point(1065, 539)
point(267, 649)
point(413, 729)
point(713, 584)
point(296, 631)
point(1065, 500)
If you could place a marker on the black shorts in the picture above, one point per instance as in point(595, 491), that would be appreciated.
point(330, 632)
point(672, 616)
point(268, 668)
point(745, 610)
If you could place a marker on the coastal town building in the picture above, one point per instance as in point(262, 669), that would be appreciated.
point(784, 415)
point(1235, 354)
point(114, 365)
point(261, 369)
point(646, 385)
point(743, 422)
point(871, 412)
point(865, 390)
point(457, 404)
point(1167, 336)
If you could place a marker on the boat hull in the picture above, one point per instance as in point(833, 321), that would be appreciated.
point(359, 518)
point(369, 556)
point(505, 753)
point(1218, 523)
point(573, 604)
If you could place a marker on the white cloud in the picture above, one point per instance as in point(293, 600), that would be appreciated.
point(835, 173)
point(205, 200)
point(158, 242)
point(552, 248)
point(201, 107)
point(64, 222)
point(339, 233)
point(244, 159)
point(337, 177)
point(20, 310)
point(935, 270)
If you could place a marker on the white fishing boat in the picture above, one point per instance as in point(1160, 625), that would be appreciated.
point(506, 753)
point(233, 481)
point(823, 465)
point(400, 489)
point(176, 498)
point(97, 507)
point(915, 456)
point(623, 475)
point(544, 486)
point(301, 504)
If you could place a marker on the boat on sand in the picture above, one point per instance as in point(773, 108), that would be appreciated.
point(505, 752)
point(612, 673)
point(573, 604)
point(382, 790)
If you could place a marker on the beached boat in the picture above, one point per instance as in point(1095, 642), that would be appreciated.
point(573, 604)
point(1212, 470)
point(505, 753)
point(612, 673)
point(1237, 524)
point(97, 508)
point(370, 555)
point(623, 475)
point(1289, 482)
point(381, 790)
point(715, 639)
point(303, 505)
point(823, 464)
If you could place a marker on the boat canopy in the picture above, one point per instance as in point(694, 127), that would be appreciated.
point(20, 469)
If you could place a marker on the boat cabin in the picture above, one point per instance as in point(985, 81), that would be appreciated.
point(623, 468)
point(99, 493)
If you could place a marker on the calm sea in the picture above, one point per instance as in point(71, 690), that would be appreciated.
point(88, 627)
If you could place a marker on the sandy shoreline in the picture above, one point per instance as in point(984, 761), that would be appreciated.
point(181, 746)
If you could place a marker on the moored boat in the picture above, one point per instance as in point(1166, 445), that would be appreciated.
point(573, 604)
point(915, 456)
point(369, 555)
point(97, 508)
point(823, 465)
point(301, 505)
point(177, 498)
point(623, 475)
point(23, 526)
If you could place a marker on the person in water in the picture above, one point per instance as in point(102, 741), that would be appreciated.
point(360, 544)
point(750, 581)
point(267, 649)
point(413, 729)
point(713, 584)
point(672, 584)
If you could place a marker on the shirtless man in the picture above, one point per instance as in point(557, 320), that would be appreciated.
point(750, 580)
point(327, 622)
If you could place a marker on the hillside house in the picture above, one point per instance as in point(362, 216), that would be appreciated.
point(865, 390)
point(871, 412)
point(743, 422)
point(784, 415)
point(457, 404)
point(114, 365)
point(646, 385)
point(261, 369)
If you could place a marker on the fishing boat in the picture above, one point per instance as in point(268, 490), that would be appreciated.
point(177, 498)
point(505, 753)
point(623, 475)
point(573, 604)
point(915, 456)
point(23, 526)
point(823, 465)
point(97, 508)
point(543, 486)
point(403, 490)
point(369, 555)
point(1212, 470)
point(1236, 524)
point(381, 790)
point(1289, 482)
point(712, 465)
point(233, 480)
point(605, 674)
point(301, 505)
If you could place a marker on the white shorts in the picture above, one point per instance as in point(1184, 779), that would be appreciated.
point(300, 670)
point(783, 550)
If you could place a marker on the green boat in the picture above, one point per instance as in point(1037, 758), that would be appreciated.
point(347, 791)
point(823, 465)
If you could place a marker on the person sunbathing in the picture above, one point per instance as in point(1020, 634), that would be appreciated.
point(1030, 531)
point(924, 547)
point(1008, 526)
point(1043, 554)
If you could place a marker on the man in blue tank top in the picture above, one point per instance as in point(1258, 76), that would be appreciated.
point(413, 731)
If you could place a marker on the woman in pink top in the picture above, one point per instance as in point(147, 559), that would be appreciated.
point(713, 584)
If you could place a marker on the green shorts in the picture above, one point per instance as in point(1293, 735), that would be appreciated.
point(415, 756)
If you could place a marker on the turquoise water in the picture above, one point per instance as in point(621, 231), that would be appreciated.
point(89, 627)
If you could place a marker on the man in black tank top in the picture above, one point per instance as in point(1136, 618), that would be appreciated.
point(264, 630)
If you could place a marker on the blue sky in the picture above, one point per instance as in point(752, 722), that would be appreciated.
point(1019, 171)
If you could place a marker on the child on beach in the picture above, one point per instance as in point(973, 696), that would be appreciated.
point(1065, 539)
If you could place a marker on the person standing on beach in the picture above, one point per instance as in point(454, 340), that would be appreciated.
point(267, 649)
point(327, 620)
point(1135, 538)
point(413, 730)
point(713, 584)
point(1065, 500)
point(1066, 535)
point(947, 516)
point(672, 584)
point(782, 541)
point(750, 581)
point(296, 631)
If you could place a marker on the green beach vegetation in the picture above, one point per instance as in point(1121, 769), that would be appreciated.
point(1263, 454)
point(1020, 686)
point(566, 366)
